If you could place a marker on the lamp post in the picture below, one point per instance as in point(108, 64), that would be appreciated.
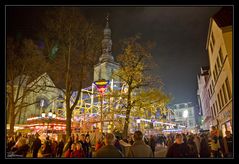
point(138, 122)
point(101, 87)
point(50, 115)
point(185, 115)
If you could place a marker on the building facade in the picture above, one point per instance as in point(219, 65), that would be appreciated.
point(203, 98)
point(106, 66)
point(179, 111)
point(42, 98)
point(219, 47)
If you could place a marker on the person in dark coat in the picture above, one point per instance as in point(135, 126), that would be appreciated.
point(21, 147)
point(204, 147)
point(109, 150)
point(22, 150)
point(83, 143)
point(152, 143)
point(88, 147)
point(177, 149)
point(60, 147)
point(10, 143)
point(117, 144)
point(36, 146)
point(192, 148)
point(228, 145)
point(139, 149)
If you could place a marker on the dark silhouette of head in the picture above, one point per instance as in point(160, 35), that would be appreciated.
point(138, 135)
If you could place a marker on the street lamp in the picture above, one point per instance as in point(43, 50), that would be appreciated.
point(54, 115)
point(185, 115)
point(138, 122)
point(43, 114)
point(50, 115)
point(101, 87)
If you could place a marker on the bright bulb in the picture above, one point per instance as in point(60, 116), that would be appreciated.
point(138, 121)
point(185, 113)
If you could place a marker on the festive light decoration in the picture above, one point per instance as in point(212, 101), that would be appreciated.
point(101, 85)
point(173, 130)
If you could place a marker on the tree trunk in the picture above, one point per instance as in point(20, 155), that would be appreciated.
point(19, 117)
point(12, 120)
point(68, 122)
point(126, 124)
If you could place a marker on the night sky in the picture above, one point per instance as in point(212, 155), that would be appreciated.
point(180, 34)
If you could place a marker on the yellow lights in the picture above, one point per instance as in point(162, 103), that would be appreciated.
point(101, 82)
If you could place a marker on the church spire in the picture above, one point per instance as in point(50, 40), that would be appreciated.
point(107, 20)
point(107, 44)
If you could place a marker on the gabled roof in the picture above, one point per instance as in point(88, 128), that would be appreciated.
point(224, 17)
point(24, 80)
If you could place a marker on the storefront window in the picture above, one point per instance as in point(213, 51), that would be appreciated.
point(223, 130)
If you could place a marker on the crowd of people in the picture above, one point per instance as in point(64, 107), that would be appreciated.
point(137, 145)
point(204, 145)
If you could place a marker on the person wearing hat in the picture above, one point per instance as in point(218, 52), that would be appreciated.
point(36, 145)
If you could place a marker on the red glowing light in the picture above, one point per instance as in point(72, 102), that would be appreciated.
point(101, 90)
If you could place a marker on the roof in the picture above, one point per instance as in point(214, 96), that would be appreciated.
point(224, 17)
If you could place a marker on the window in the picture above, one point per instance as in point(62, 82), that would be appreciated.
point(213, 39)
point(221, 97)
point(223, 130)
point(229, 93)
point(219, 102)
point(216, 71)
point(181, 106)
point(214, 75)
point(211, 47)
point(212, 113)
point(218, 65)
point(224, 93)
point(214, 109)
point(221, 56)
point(210, 89)
point(209, 93)
point(217, 107)
point(185, 105)
point(180, 114)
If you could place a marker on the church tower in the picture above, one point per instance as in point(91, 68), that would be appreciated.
point(106, 66)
